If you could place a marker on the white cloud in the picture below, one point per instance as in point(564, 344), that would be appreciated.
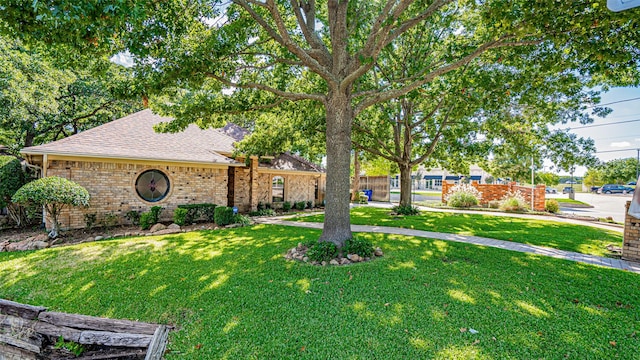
point(621, 144)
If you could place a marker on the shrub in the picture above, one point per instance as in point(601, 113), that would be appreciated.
point(263, 212)
point(133, 216)
point(513, 201)
point(551, 206)
point(309, 204)
point(268, 206)
point(322, 251)
point(180, 216)
point(223, 215)
point(463, 195)
point(199, 211)
point(241, 219)
point(286, 206)
point(494, 204)
point(261, 206)
point(54, 193)
point(146, 220)
point(358, 245)
point(109, 220)
point(155, 213)
point(12, 178)
point(300, 205)
point(90, 220)
point(405, 210)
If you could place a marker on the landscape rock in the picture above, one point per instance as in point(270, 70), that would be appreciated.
point(334, 262)
point(37, 245)
point(41, 237)
point(98, 238)
point(324, 263)
point(174, 226)
point(378, 252)
point(167, 231)
point(344, 261)
point(354, 257)
point(3, 245)
point(157, 227)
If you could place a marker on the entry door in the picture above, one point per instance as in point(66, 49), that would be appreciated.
point(231, 186)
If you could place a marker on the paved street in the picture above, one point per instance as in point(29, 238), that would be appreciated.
point(603, 205)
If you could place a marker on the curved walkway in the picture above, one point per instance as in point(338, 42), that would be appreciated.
point(475, 240)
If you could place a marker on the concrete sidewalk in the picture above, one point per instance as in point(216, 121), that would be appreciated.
point(475, 240)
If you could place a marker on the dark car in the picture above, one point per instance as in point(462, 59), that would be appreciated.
point(595, 189)
point(632, 183)
point(615, 189)
point(567, 190)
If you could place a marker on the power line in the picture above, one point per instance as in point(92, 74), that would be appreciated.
point(614, 102)
point(610, 151)
point(597, 125)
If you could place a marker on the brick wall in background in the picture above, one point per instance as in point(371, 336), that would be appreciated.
point(495, 192)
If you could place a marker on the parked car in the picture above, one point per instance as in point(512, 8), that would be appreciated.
point(615, 189)
point(567, 190)
point(550, 190)
point(595, 189)
point(629, 190)
point(632, 183)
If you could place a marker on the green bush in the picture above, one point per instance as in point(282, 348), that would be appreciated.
point(90, 220)
point(551, 206)
point(109, 221)
point(54, 194)
point(286, 206)
point(309, 204)
point(223, 215)
point(462, 196)
point(261, 206)
point(300, 205)
point(358, 245)
point(133, 216)
point(146, 220)
point(12, 178)
point(241, 219)
point(322, 251)
point(513, 201)
point(155, 213)
point(197, 212)
point(180, 216)
point(263, 212)
point(405, 210)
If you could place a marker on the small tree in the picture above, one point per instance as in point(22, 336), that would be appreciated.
point(54, 194)
point(12, 178)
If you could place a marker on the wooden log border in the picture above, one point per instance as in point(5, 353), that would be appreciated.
point(83, 329)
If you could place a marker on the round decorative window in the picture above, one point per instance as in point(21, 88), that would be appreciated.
point(152, 185)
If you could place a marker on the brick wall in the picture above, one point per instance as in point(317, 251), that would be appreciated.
point(296, 187)
point(495, 192)
point(112, 187)
point(631, 242)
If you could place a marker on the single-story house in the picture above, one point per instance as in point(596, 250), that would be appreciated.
point(125, 165)
point(432, 179)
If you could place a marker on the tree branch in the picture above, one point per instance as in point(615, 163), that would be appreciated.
point(285, 94)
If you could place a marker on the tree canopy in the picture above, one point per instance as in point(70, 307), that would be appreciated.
point(210, 60)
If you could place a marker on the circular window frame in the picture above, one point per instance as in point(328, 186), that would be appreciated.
point(153, 200)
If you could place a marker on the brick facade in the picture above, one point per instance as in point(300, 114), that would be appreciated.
point(495, 192)
point(631, 242)
point(112, 187)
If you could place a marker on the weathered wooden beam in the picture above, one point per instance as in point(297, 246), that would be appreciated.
point(29, 312)
point(158, 343)
point(96, 323)
point(107, 338)
point(12, 352)
point(20, 343)
point(69, 334)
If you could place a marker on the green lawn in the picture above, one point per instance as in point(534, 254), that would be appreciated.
point(565, 201)
point(549, 233)
point(231, 295)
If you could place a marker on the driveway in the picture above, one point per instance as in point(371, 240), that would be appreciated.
point(603, 205)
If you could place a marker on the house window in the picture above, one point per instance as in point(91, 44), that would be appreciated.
point(152, 185)
point(438, 182)
point(277, 189)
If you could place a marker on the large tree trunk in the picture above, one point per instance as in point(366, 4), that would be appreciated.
point(337, 220)
point(405, 184)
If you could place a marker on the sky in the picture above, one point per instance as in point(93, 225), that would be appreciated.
point(617, 135)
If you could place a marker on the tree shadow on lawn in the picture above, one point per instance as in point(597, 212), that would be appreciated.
point(232, 294)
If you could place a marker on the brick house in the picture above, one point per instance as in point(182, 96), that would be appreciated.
point(125, 165)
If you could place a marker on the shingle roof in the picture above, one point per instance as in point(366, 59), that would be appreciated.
point(288, 161)
point(133, 137)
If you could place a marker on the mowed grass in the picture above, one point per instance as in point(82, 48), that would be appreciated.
point(549, 233)
point(232, 295)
